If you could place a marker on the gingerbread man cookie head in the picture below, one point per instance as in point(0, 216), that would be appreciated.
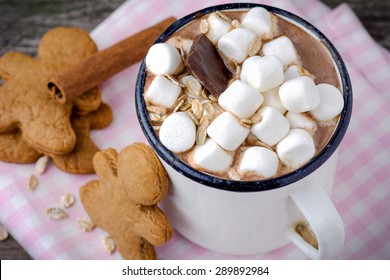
point(25, 102)
point(151, 183)
point(113, 202)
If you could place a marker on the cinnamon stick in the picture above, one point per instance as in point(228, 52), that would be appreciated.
point(102, 65)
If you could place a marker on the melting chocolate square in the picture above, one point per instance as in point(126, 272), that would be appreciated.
point(205, 63)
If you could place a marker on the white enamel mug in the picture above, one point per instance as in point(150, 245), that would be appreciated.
point(251, 217)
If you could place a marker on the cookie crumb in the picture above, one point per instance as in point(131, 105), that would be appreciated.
point(3, 232)
point(56, 213)
point(85, 225)
point(67, 200)
point(109, 244)
point(32, 183)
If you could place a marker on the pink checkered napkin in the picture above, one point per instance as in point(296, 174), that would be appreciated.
point(362, 192)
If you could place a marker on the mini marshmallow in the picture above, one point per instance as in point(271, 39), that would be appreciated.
point(211, 157)
point(235, 44)
point(301, 121)
point(259, 160)
point(178, 132)
point(331, 103)
point(240, 99)
point(262, 73)
point(299, 95)
point(271, 98)
point(296, 148)
point(227, 132)
point(163, 59)
point(217, 27)
point(272, 127)
point(162, 92)
point(283, 48)
point(258, 20)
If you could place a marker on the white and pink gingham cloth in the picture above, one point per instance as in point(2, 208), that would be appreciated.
point(362, 192)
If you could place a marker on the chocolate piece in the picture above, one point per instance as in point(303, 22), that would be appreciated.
point(205, 63)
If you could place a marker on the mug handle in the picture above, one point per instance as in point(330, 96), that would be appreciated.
point(319, 212)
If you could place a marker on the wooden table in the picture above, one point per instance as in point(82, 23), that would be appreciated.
point(23, 22)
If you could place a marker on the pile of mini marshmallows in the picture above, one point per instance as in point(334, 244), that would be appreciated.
point(266, 100)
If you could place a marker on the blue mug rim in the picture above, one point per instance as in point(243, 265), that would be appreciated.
point(247, 186)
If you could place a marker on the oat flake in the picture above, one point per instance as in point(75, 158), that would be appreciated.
point(32, 183)
point(3, 232)
point(67, 200)
point(109, 244)
point(56, 213)
point(85, 225)
point(41, 164)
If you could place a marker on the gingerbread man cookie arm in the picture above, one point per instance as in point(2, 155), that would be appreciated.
point(152, 224)
point(88, 102)
point(105, 164)
point(10, 64)
point(100, 118)
point(9, 69)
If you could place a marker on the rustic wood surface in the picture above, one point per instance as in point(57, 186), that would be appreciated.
point(23, 22)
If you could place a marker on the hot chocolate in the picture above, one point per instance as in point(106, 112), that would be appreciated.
point(242, 95)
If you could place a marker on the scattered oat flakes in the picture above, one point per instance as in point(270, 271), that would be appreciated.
point(201, 135)
point(204, 26)
point(236, 23)
point(197, 108)
point(233, 174)
point(56, 213)
point(154, 117)
point(85, 225)
point(213, 98)
point(247, 121)
point(205, 121)
point(157, 109)
point(261, 144)
point(191, 115)
point(238, 72)
point(32, 183)
point(223, 16)
point(256, 118)
point(193, 85)
point(185, 106)
point(204, 94)
point(3, 232)
point(178, 106)
point(41, 164)
point(67, 200)
point(208, 109)
point(175, 81)
point(183, 57)
point(254, 47)
point(109, 244)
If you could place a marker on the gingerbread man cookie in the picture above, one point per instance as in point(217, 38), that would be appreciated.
point(14, 149)
point(25, 101)
point(123, 200)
